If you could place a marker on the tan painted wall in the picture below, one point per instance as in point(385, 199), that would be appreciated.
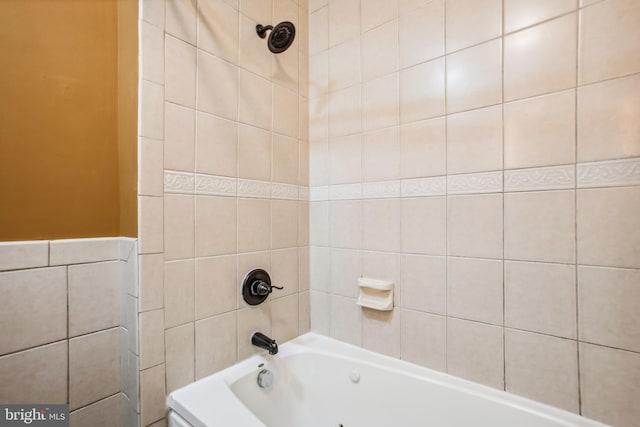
point(59, 161)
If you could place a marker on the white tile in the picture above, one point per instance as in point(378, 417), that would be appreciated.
point(18, 255)
point(78, 251)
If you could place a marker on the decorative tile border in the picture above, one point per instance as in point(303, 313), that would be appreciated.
point(612, 173)
point(475, 183)
point(179, 182)
point(319, 193)
point(250, 188)
point(303, 193)
point(423, 187)
point(547, 178)
point(345, 191)
point(216, 185)
point(284, 191)
point(382, 189)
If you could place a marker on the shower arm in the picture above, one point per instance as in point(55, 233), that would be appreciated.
point(262, 30)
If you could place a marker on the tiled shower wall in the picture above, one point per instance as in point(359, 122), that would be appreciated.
point(485, 156)
point(223, 186)
point(68, 327)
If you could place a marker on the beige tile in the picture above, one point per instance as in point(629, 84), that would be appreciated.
point(609, 227)
point(153, 12)
point(94, 367)
point(181, 19)
point(380, 103)
point(215, 225)
point(381, 155)
point(151, 338)
point(179, 137)
point(381, 225)
point(180, 72)
point(609, 384)
point(254, 220)
point(542, 368)
point(474, 289)
point(35, 308)
point(319, 264)
point(286, 68)
point(471, 22)
point(474, 141)
point(345, 218)
point(345, 159)
point(380, 51)
point(179, 290)
point(161, 423)
point(540, 226)
point(320, 314)
point(342, 70)
point(540, 298)
point(473, 77)
point(152, 394)
point(216, 285)
point(609, 39)
point(259, 10)
point(317, 4)
point(609, 120)
point(345, 112)
point(474, 226)
point(151, 167)
point(342, 25)
point(376, 12)
point(151, 100)
point(384, 266)
point(422, 91)
point(216, 146)
point(423, 148)
point(94, 297)
point(47, 378)
point(319, 162)
point(179, 226)
point(475, 352)
point(217, 86)
point(285, 111)
point(99, 414)
point(345, 269)
point(541, 59)
point(284, 224)
point(608, 307)
point(284, 272)
point(303, 161)
point(151, 281)
point(304, 261)
point(381, 332)
point(522, 13)
point(180, 355)
point(28, 254)
point(286, 158)
point(216, 344)
point(540, 131)
point(319, 223)
point(151, 235)
point(319, 27)
point(254, 54)
point(304, 313)
point(319, 71)
point(424, 283)
point(218, 29)
point(284, 318)
point(423, 225)
point(423, 339)
point(151, 53)
point(421, 33)
point(345, 319)
point(254, 153)
point(250, 320)
point(255, 100)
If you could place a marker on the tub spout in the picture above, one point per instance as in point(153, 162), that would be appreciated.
point(261, 340)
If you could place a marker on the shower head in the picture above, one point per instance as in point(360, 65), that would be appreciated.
point(281, 36)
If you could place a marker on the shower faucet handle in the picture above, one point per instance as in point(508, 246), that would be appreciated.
point(260, 287)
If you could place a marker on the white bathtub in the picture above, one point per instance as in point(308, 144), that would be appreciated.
point(314, 387)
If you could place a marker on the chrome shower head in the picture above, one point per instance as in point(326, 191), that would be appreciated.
point(281, 36)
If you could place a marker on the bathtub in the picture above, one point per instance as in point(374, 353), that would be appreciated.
point(321, 382)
